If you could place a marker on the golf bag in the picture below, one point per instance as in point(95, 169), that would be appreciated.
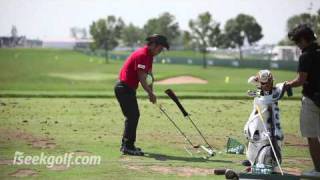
point(263, 126)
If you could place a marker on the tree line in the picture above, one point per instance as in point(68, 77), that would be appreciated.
point(205, 32)
point(312, 20)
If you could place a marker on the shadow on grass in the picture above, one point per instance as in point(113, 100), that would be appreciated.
point(162, 157)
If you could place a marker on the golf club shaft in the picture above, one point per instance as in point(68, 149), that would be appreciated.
point(173, 96)
point(265, 128)
point(194, 125)
point(180, 131)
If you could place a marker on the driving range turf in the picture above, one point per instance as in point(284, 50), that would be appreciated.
point(94, 125)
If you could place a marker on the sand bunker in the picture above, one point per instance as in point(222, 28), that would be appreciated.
point(182, 80)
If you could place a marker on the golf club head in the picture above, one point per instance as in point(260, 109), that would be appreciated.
point(230, 174)
point(210, 151)
point(252, 93)
point(219, 171)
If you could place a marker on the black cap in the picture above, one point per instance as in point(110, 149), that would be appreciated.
point(158, 39)
point(302, 31)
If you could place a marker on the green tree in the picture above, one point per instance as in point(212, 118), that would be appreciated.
point(106, 33)
point(132, 36)
point(78, 33)
point(165, 25)
point(313, 20)
point(84, 34)
point(240, 28)
point(317, 26)
point(303, 18)
point(187, 40)
point(74, 32)
point(14, 36)
point(14, 32)
point(205, 32)
point(285, 42)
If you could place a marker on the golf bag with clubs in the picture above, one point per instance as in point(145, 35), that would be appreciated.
point(263, 130)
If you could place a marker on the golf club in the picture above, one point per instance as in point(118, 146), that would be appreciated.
point(209, 149)
point(265, 128)
point(175, 125)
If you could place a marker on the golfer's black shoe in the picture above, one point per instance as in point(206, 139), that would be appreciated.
point(134, 147)
point(131, 151)
point(246, 163)
point(137, 148)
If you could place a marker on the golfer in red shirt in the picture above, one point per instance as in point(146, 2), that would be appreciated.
point(136, 68)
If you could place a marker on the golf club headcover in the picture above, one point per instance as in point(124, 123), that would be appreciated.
point(230, 174)
point(171, 94)
point(289, 91)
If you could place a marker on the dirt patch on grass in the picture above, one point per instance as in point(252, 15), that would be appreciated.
point(180, 171)
point(59, 167)
point(294, 140)
point(294, 171)
point(296, 160)
point(136, 168)
point(182, 80)
point(24, 173)
point(43, 144)
point(35, 142)
point(124, 159)
point(6, 162)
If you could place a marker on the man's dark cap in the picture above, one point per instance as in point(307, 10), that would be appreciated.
point(158, 39)
point(303, 31)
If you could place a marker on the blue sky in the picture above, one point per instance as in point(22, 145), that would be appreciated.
point(52, 19)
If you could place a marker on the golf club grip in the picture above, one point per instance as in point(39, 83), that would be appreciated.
point(171, 94)
point(289, 91)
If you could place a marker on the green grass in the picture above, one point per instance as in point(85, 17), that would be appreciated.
point(28, 71)
point(95, 126)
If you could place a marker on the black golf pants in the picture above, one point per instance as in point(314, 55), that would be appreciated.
point(127, 99)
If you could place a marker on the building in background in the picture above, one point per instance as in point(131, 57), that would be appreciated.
point(66, 43)
point(286, 53)
point(19, 42)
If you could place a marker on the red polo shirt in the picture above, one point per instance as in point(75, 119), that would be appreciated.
point(140, 59)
